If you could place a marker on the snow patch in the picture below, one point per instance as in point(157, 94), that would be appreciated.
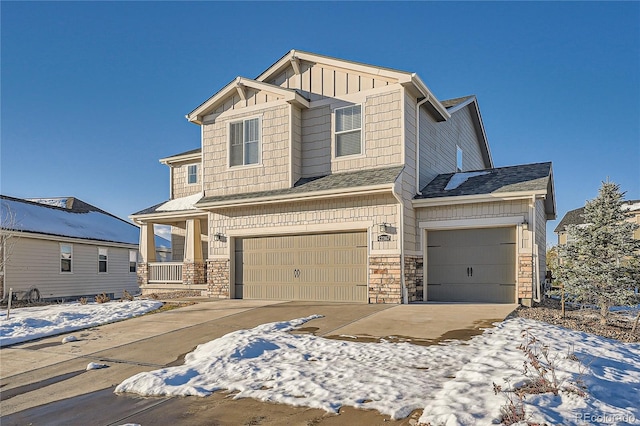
point(41, 321)
point(56, 202)
point(183, 203)
point(69, 339)
point(95, 366)
point(460, 178)
point(451, 382)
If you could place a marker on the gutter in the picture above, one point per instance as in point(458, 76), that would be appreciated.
point(480, 198)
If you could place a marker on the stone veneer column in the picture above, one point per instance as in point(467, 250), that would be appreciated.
point(414, 277)
point(384, 279)
point(142, 272)
point(525, 277)
point(194, 273)
point(218, 278)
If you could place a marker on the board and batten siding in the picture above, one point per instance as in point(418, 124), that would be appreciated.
point(438, 141)
point(319, 81)
point(36, 263)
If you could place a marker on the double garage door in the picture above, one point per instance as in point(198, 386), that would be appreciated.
point(319, 267)
point(471, 265)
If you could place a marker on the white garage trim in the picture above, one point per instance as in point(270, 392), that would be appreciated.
point(491, 222)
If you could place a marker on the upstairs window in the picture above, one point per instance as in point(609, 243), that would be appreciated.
point(458, 159)
point(102, 259)
point(192, 174)
point(66, 257)
point(244, 142)
point(348, 130)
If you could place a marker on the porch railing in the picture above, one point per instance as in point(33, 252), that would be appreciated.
point(165, 272)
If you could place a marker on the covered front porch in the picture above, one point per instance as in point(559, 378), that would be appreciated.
point(187, 270)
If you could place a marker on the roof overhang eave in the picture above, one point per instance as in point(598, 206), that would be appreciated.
point(180, 158)
point(415, 80)
point(480, 198)
point(315, 195)
point(166, 216)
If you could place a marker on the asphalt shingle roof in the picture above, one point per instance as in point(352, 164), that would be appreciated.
point(575, 217)
point(450, 103)
point(321, 183)
point(525, 177)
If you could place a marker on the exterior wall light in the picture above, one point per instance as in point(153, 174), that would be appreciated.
point(383, 227)
point(525, 226)
point(218, 237)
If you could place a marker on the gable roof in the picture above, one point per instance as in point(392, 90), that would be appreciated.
point(451, 103)
point(183, 156)
point(576, 216)
point(76, 219)
point(524, 179)
point(307, 187)
point(289, 95)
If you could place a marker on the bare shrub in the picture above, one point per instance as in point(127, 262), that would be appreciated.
point(102, 298)
point(127, 296)
point(83, 300)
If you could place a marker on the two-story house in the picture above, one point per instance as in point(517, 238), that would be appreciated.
point(330, 180)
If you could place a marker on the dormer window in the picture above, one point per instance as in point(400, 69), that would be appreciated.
point(192, 174)
point(348, 130)
point(244, 142)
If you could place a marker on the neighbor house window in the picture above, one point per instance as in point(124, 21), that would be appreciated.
point(133, 260)
point(66, 257)
point(458, 159)
point(192, 173)
point(244, 142)
point(102, 259)
point(348, 130)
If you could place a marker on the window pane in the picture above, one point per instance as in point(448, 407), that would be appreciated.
point(348, 118)
point(65, 258)
point(193, 174)
point(251, 153)
point(251, 130)
point(65, 265)
point(102, 266)
point(348, 144)
point(235, 141)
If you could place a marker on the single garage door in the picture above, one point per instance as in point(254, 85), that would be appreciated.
point(472, 265)
point(321, 267)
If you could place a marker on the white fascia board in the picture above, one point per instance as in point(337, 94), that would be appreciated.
point(476, 109)
point(181, 158)
point(166, 216)
point(316, 195)
point(419, 84)
point(289, 95)
point(481, 198)
point(334, 62)
point(38, 236)
point(489, 222)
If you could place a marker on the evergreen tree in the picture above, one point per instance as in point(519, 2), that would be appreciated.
point(599, 262)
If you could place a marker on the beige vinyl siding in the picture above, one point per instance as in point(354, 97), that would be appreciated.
point(541, 239)
point(296, 147)
point(316, 141)
point(381, 132)
point(312, 215)
point(475, 211)
point(36, 263)
point(272, 172)
point(411, 240)
point(177, 244)
point(438, 144)
point(179, 173)
point(319, 81)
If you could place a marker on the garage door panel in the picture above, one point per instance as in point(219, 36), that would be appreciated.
point(327, 267)
point(471, 265)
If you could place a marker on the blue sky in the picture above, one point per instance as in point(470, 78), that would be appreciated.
point(93, 94)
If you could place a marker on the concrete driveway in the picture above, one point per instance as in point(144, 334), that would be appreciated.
point(45, 382)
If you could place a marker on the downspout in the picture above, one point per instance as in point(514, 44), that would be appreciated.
point(418, 105)
point(534, 251)
point(403, 290)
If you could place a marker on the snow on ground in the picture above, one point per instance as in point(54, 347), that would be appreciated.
point(31, 323)
point(452, 382)
point(459, 178)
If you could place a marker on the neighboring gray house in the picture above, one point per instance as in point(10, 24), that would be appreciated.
point(329, 180)
point(66, 248)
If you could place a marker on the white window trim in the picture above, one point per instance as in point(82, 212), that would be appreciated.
point(106, 261)
point(228, 142)
point(136, 261)
point(334, 144)
point(197, 174)
point(60, 259)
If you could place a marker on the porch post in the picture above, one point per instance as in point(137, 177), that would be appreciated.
point(147, 249)
point(193, 268)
